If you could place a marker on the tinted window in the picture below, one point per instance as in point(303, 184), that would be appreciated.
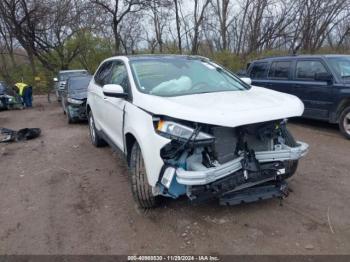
point(103, 75)
point(259, 70)
point(341, 65)
point(64, 76)
point(307, 69)
point(119, 75)
point(279, 70)
point(79, 83)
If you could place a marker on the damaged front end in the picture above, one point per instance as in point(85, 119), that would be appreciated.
point(236, 165)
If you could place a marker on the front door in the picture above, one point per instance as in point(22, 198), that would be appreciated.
point(101, 78)
point(114, 107)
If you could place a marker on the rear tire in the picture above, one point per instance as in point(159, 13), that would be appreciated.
point(96, 140)
point(344, 122)
point(141, 190)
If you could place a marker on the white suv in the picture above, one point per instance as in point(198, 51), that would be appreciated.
point(189, 127)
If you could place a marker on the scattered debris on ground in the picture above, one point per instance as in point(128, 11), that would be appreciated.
point(9, 135)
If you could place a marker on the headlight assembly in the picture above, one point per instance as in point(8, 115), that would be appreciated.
point(74, 101)
point(175, 130)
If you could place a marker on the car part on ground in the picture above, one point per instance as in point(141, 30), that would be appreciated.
point(9, 135)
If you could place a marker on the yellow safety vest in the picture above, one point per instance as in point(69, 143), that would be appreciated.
point(21, 87)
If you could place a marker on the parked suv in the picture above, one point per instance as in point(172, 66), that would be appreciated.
point(322, 82)
point(61, 80)
point(189, 127)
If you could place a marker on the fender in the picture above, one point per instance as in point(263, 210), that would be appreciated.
point(139, 123)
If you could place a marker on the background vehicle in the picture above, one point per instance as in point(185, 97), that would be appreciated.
point(74, 97)
point(189, 127)
point(322, 82)
point(62, 77)
point(9, 99)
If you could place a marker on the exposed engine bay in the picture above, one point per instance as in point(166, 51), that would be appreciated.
point(205, 161)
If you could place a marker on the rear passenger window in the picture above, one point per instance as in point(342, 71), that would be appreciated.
point(259, 71)
point(306, 70)
point(279, 70)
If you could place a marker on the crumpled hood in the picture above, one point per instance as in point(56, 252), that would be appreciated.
point(229, 109)
point(78, 95)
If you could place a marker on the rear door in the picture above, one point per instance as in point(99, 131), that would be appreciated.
point(279, 75)
point(274, 75)
point(316, 95)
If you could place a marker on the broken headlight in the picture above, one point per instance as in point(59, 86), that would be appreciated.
point(175, 130)
point(74, 101)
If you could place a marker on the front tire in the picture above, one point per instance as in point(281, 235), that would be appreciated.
point(96, 140)
point(344, 122)
point(70, 120)
point(141, 190)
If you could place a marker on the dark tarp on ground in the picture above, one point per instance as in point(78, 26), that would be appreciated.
point(9, 135)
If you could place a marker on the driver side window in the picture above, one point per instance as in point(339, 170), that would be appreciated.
point(119, 75)
point(103, 75)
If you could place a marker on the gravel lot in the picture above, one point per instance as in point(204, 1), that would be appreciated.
point(60, 195)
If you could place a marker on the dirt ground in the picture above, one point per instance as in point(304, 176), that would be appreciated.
point(61, 195)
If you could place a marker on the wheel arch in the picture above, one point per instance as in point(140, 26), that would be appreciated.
point(88, 109)
point(344, 103)
point(130, 140)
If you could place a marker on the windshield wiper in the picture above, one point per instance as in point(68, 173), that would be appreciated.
point(347, 76)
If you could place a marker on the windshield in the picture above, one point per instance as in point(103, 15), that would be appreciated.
point(78, 84)
point(65, 76)
point(182, 76)
point(342, 66)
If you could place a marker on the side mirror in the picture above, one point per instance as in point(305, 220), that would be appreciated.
point(323, 77)
point(246, 80)
point(113, 90)
point(55, 79)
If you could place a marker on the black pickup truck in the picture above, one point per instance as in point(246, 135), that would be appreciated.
point(322, 82)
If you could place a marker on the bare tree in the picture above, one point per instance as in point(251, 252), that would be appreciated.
point(117, 10)
point(221, 9)
point(178, 24)
point(199, 10)
point(317, 19)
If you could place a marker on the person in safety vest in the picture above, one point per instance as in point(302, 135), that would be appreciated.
point(25, 91)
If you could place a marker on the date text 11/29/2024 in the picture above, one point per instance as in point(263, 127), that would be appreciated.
point(173, 258)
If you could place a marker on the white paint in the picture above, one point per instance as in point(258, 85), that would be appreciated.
point(231, 109)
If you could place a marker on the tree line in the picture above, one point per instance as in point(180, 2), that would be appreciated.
point(49, 35)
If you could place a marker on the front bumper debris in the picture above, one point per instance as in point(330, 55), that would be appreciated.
point(253, 194)
point(78, 111)
point(203, 177)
